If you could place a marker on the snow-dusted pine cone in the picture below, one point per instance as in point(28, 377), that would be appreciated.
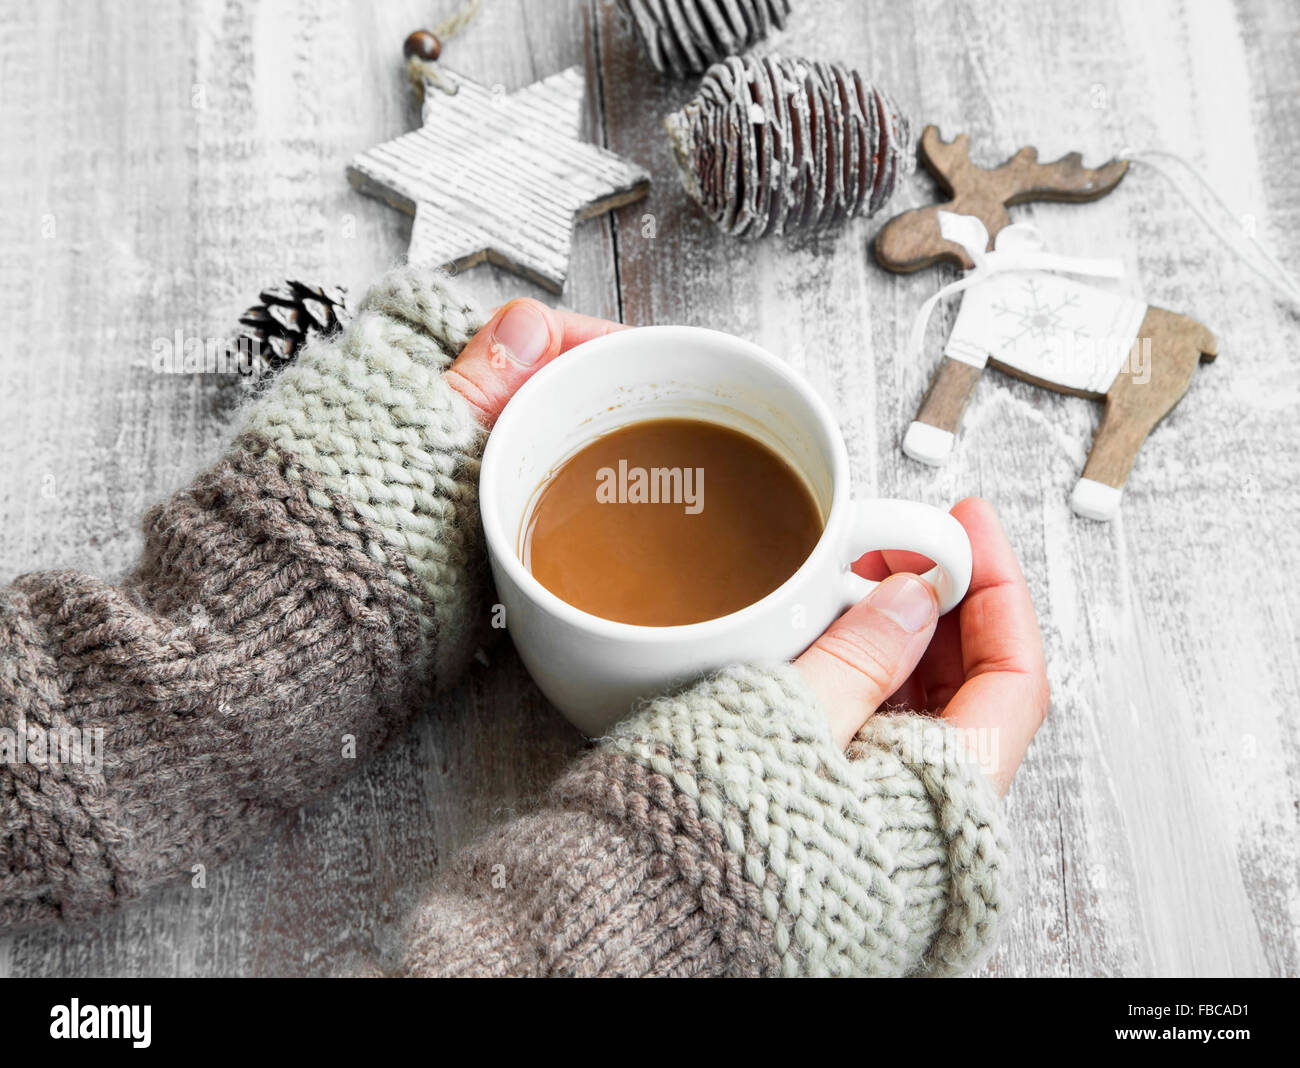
point(272, 332)
point(682, 37)
point(774, 145)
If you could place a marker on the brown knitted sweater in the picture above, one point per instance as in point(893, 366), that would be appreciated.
point(295, 602)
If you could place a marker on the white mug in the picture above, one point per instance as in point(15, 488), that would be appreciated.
point(593, 669)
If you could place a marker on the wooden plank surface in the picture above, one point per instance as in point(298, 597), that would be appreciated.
point(162, 162)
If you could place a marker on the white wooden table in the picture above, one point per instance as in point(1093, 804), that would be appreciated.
point(162, 162)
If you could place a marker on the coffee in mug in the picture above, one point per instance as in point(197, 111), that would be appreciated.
point(666, 522)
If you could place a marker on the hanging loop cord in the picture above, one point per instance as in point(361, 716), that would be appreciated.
point(1181, 174)
point(420, 71)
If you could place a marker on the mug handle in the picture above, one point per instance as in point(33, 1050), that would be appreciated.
point(887, 523)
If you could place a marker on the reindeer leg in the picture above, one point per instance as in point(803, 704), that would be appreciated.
point(1114, 449)
point(1165, 356)
point(932, 433)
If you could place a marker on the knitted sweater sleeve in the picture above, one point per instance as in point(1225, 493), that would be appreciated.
point(721, 832)
point(287, 608)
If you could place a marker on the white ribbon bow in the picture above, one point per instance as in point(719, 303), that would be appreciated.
point(1018, 247)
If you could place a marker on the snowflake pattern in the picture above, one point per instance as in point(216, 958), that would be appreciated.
point(1035, 318)
point(1048, 327)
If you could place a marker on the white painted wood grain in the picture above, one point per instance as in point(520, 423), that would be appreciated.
point(1159, 811)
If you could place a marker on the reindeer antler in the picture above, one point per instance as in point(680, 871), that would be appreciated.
point(912, 240)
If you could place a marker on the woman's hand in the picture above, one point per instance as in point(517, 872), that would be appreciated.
point(520, 339)
point(979, 667)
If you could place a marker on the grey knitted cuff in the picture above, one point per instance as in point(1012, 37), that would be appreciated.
point(890, 863)
point(372, 417)
point(940, 797)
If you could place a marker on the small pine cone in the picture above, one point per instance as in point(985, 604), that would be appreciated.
point(774, 145)
point(683, 37)
point(273, 332)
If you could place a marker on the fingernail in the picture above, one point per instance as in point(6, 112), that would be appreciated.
point(906, 600)
point(523, 334)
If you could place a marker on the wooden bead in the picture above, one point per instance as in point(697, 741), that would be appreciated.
point(422, 45)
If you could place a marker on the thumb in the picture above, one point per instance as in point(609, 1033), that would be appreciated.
point(868, 653)
point(518, 340)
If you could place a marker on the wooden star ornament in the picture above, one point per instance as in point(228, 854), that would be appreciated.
point(497, 176)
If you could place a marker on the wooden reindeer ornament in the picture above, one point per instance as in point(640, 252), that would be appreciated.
point(1022, 316)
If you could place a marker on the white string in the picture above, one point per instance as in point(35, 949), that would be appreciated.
point(1280, 278)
